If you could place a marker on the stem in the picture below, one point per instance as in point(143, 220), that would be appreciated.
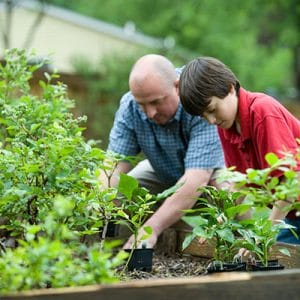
point(2, 247)
point(104, 231)
point(265, 252)
point(127, 261)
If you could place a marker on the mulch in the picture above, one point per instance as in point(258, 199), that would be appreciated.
point(174, 266)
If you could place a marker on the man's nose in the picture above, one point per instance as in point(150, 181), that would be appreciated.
point(150, 111)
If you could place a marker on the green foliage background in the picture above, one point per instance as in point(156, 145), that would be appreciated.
point(258, 39)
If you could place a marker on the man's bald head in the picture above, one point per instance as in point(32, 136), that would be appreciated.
point(149, 66)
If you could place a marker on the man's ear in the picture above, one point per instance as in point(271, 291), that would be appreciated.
point(176, 83)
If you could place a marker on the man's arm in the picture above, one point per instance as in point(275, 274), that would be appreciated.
point(171, 210)
point(122, 167)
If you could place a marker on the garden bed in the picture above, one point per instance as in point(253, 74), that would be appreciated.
point(257, 285)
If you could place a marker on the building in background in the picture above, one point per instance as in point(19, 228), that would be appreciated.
point(66, 35)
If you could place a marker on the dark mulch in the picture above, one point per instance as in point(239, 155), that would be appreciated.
point(177, 265)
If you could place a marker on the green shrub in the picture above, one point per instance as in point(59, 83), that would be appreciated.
point(50, 194)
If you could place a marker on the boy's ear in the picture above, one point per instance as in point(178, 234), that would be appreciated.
point(232, 89)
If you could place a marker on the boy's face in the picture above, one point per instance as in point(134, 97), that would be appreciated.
point(222, 112)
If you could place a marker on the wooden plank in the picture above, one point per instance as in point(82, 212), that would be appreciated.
point(205, 249)
point(292, 261)
point(279, 285)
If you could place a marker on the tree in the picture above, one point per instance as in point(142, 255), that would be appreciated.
point(258, 39)
point(6, 28)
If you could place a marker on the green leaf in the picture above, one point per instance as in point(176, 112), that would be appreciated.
point(187, 241)
point(195, 221)
point(226, 234)
point(122, 214)
point(127, 185)
point(285, 251)
point(34, 127)
point(168, 192)
point(148, 229)
point(271, 158)
point(241, 209)
point(147, 234)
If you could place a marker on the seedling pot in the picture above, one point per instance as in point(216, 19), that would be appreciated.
point(112, 230)
point(272, 266)
point(140, 260)
point(217, 267)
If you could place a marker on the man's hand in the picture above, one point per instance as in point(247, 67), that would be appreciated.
point(149, 242)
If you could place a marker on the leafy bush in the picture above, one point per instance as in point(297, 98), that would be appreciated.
point(42, 152)
point(55, 257)
point(50, 195)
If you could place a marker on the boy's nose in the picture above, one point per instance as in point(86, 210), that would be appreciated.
point(211, 119)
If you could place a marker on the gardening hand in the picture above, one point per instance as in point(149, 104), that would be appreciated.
point(244, 253)
point(201, 241)
point(150, 241)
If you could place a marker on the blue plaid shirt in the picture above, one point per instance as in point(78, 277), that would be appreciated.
point(185, 142)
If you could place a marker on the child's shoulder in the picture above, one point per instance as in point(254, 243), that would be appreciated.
point(264, 105)
point(263, 101)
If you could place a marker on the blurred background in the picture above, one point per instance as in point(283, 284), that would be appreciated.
point(94, 43)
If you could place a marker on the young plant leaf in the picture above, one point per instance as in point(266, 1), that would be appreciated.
point(127, 185)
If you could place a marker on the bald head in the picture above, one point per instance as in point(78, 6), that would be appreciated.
point(150, 66)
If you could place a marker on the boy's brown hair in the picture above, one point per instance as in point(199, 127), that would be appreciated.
point(201, 79)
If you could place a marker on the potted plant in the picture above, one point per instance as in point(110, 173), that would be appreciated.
point(215, 221)
point(258, 236)
point(261, 188)
point(136, 205)
point(109, 204)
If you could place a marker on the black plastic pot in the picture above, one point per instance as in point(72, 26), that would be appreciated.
point(259, 266)
point(217, 267)
point(112, 229)
point(140, 260)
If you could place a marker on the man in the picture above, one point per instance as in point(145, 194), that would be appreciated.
point(178, 147)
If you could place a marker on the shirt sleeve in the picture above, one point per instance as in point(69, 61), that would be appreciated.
point(122, 138)
point(204, 148)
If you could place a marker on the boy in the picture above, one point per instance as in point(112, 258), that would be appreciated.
point(250, 125)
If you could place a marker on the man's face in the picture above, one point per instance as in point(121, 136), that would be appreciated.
point(157, 100)
point(222, 112)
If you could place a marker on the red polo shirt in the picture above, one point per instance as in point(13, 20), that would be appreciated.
point(266, 126)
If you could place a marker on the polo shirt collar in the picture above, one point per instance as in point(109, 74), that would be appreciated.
point(244, 103)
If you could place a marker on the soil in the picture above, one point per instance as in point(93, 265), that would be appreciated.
point(177, 265)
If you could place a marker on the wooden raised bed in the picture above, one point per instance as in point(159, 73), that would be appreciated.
point(283, 284)
point(277, 285)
